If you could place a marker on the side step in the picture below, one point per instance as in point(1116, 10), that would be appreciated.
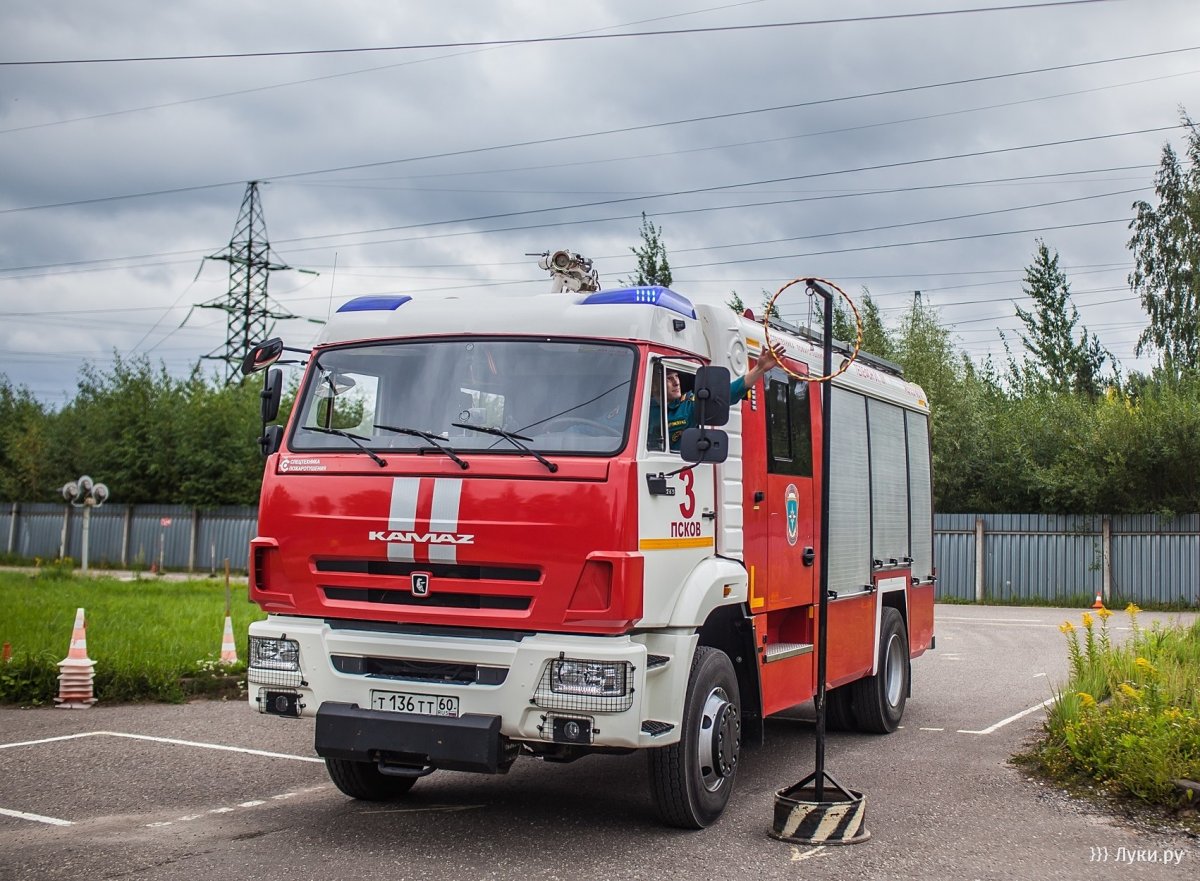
point(779, 651)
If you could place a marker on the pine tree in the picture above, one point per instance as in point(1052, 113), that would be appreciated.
point(1166, 254)
point(1056, 359)
point(652, 265)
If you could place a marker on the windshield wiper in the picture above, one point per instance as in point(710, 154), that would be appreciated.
point(358, 441)
point(513, 438)
point(432, 438)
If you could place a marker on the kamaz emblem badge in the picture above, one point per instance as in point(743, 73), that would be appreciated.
point(420, 584)
point(791, 507)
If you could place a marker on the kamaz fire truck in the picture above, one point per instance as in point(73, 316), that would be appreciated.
point(476, 541)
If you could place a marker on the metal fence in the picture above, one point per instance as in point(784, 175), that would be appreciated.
point(1011, 557)
point(132, 536)
point(1143, 559)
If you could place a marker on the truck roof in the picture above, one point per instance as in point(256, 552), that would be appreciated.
point(651, 314)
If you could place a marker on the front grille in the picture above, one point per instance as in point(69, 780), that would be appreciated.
point(436, 600)
point(437, 570)
point(419, 671)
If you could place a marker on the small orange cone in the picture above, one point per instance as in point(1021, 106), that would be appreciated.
point(228, 646)
point(1099, 604)
point(76, 671)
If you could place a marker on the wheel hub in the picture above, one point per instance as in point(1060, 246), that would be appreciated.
point(720, 739)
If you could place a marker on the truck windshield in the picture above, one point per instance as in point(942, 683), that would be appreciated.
point(556, 396)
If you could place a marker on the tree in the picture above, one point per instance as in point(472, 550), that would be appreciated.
point(1166, 255)
point(877, 339)
point(1056, 359)
point(652, 265)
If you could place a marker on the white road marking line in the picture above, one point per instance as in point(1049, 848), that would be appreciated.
point(931, 729)
point(808, 854)
point(176, 741)
point(51, 739)
point(1038, 675)
point(253, 803)
point(218, 746)
point(992, 728)
point(37, 818)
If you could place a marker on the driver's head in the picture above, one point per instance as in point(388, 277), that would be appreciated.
point(674, 388)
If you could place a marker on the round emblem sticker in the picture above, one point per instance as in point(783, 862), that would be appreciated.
point(791, 508)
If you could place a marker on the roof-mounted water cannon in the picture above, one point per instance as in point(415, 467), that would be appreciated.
point(569, 271)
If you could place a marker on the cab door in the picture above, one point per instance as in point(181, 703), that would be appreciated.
point(676, 500)
point(789, 504)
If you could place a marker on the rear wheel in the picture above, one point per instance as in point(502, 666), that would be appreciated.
point(838, 716)
point(692, 780)
point(877, 702)
point(364, 780)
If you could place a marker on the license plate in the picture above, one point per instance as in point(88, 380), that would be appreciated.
point(416, 704)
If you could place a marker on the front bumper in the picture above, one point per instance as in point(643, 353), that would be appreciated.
point(468, 743)
point(494, 675)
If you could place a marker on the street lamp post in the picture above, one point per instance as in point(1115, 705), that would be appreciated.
point(87, 494)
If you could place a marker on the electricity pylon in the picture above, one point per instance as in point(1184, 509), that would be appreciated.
point(251, 316)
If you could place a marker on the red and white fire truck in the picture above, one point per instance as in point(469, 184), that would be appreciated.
point(474, 543)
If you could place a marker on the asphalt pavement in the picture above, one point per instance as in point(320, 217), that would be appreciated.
point(215, 790)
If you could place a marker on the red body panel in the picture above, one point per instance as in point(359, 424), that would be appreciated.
point(520, 539)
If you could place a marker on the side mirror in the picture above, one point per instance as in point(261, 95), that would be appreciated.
point(271, 440)
point(262, 356)
point(712, 396)
point(271, 394)
point(704, 445)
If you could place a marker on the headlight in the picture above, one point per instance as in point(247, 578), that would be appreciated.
point(274, 654)
point(596, 678)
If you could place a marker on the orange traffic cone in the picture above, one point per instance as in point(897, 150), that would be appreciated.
point(228, 646)
point(76, 671)
point(1099, 604)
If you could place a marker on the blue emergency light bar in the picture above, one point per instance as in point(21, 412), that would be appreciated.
point(650, 296)
point(374, 304)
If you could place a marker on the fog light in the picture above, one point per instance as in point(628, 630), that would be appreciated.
point(568, 730)
point(280, 703)
point(593, 678)
point(274, 654)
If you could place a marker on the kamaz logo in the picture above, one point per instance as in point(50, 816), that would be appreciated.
point(424, 538)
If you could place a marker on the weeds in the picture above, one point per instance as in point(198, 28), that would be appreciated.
point(1129, 715)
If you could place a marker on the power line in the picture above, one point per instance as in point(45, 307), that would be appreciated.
point(725, 187)
point(595, 134)
point(658, 214)
point(527, 41)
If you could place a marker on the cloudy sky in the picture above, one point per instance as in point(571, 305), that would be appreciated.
point(926, 152)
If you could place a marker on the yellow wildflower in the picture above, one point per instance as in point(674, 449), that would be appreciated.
point(1129, 691)
point(1103, 614)
point(1066, 627)
point(1086, 699)
point(1132, 609)
point(1087, 620)
point(1145, 665)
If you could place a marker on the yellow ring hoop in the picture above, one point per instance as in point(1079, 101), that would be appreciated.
point(766, 322)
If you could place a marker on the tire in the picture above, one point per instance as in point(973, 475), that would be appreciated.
point(364, 780)
point(838, 714)
point(692, 780)
point(877, 702)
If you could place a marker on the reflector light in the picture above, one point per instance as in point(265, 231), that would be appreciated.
point(649, 296)
point(374, 304)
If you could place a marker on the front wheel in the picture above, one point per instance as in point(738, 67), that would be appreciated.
point(692, 780)
point(877, 702)
point(364, 780)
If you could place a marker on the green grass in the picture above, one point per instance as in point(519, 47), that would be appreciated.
point(150, 639)
point(1128, 717)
